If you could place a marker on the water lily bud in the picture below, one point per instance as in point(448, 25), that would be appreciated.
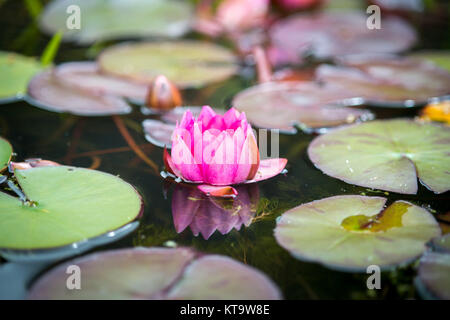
point(163, 94)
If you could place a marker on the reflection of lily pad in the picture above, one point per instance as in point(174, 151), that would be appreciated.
point(387, 155)
point(66, 205)
point(104, 20)
point(186, 63)
point(86, 76)
point(15, 72)
point(5, 153)
point(388, 80)
point(353, 232)
point(332, 34)
point(433, 280)
point(46, 91)
point(157, 273)
point(282, 105)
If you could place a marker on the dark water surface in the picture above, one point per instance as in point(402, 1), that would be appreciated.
point(83, 142)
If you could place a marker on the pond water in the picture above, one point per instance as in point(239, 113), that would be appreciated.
point(96, 142)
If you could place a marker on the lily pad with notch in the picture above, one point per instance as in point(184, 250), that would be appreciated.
point(157, 273)
point(107, 20)
point(351, 232)
point(285, 105)
point(386, 154)
point(187, 63)
point(64, 205)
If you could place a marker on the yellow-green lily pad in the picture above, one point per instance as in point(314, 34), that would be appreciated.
point(157, 273)
point(118, 19)
point(352, 232)
point(64, 205)
point(186, 63)
point(5, 153)
point(15, 72)
point(387, 154)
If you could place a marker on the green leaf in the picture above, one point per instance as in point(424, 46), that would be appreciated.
point(15, 73)
point(34, 7)
point(66, 205)
point(388, 155)
point(5, 153)
point(321, 231)
point(186, 63)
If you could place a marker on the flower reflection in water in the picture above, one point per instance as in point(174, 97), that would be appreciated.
point(205, 214)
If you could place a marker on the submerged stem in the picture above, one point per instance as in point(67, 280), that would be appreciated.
point(129, 139)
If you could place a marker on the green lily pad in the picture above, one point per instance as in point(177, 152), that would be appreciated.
point(439, 58)
point(388, 155)
point(433, 280)
point(15, 72)
point(157, 273)
point(106, 20)
point(351, 232)
point(186, 63)
point(65, 205)
point(5, 153)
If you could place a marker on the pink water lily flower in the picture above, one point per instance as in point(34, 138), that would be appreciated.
point(217, 151)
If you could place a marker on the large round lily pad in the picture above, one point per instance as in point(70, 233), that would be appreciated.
point(387, 79)
point(186, 63)
point(65, 205)
point(86, 76)
point(5, 153)
point(157, 273)
point(105, 20)
point(388, 155)
point(15, 72)
point(433, 280)
point(327, 35)
point(352, 232)
point(282, 105)
point(47, 91)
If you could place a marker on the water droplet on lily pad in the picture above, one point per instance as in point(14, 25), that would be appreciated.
point(351, 232)
point(118, 19)
point(15, 72)
point(5, 153)
point(65, 205)
point(157, 273)
point(186, 63)
point(433, 280)
point(282, 105)
point(388, 155)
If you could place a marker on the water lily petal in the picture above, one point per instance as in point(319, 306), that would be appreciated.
point(269, 168)
point(218, 191)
